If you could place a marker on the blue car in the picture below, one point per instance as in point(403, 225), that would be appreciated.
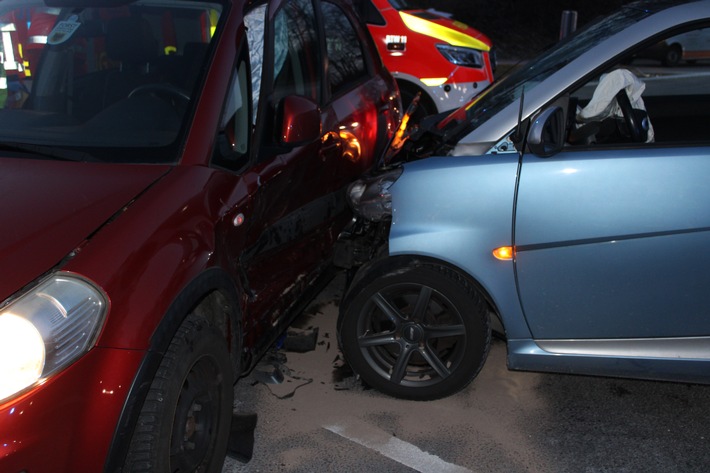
point(566, 209)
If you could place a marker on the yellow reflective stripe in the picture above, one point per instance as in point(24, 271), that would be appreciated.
point(474, 102)
point(444, 33)
point(434, 81)
point(214, 18)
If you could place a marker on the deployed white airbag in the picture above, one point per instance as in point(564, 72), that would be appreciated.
point(603, 103)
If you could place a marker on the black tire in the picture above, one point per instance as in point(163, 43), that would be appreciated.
point(673, 55)
point(420, 331)
point(185, 421)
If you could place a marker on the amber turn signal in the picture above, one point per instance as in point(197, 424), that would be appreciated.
point(504, 253)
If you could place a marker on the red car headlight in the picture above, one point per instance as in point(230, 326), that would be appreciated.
point(46, 329)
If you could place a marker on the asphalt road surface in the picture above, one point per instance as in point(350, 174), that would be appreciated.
point(321, 419)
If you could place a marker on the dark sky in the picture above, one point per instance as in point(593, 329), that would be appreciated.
point(520, 28)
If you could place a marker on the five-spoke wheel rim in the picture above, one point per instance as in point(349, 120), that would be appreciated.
point(411, 334)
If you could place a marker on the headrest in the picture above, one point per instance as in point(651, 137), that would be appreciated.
point(130, 40)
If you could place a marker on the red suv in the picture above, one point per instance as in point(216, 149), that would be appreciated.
point(173, 178)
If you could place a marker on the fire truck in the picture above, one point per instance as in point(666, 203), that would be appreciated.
point(427, 51)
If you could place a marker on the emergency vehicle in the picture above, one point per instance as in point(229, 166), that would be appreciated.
point(447, 61)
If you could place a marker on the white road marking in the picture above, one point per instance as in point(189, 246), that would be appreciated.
point(393, 448)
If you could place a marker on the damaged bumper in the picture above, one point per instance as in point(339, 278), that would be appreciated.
point(361, 242)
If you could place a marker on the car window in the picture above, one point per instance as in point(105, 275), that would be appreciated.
point(522, 80)
point(99, 78)
point(233, 140)
point(255, 21)
point(346, 60)
point(369, 13)
point(296, 59)
point(402, 5)
point(667, 85)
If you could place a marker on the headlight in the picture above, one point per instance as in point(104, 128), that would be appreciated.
point(370, 197)
point(461, 56)
point(46, 330)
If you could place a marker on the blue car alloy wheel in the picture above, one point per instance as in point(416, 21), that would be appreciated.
point(414, 330)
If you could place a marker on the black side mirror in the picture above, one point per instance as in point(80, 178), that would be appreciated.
point(547, 132)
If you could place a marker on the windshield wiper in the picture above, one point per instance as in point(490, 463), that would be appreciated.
point(48, 152)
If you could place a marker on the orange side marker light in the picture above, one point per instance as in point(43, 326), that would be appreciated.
point(504, 253)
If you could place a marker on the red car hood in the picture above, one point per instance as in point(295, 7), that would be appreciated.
point(48, 208)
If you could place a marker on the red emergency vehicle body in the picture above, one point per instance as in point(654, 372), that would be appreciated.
point(448, 61)
point(179, 220)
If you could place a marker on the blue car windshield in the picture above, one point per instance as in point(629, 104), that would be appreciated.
point(509, 89)
point(111, 81)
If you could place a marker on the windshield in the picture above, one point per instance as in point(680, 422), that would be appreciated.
point(402, 5)
point(112, 83)
point(509, 89)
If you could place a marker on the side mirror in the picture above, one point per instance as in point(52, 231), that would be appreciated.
point(299, 121)
point(547, 132)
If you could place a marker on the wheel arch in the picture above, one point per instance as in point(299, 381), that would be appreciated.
point(413, 86)
point(210, 293)
point(675, 47)
point(414, 343)
point(390, 263)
